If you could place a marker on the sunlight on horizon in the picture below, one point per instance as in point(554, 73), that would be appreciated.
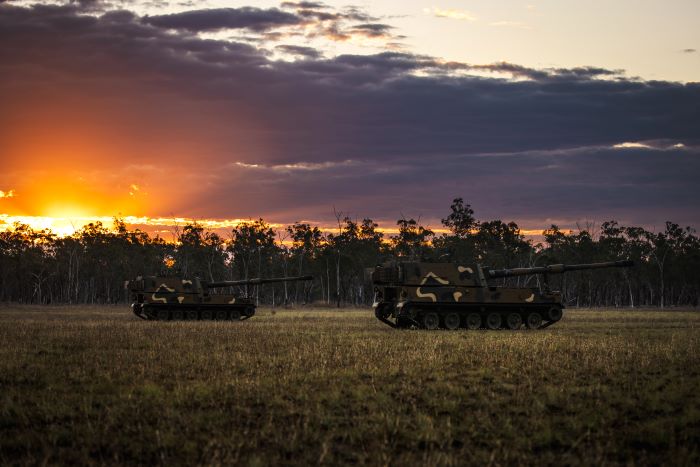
point(67, 225)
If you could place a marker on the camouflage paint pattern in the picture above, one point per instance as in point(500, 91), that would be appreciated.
point(176, 290)
point(410, 291)
point(175, 298)
point(455, 283)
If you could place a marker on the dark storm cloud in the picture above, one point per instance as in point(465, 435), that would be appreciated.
point(255, 19)
point(416, 130)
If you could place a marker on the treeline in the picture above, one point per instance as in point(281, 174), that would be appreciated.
point(91, 265)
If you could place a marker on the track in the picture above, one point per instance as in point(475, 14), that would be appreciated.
point(169, 312)
point(452, 317)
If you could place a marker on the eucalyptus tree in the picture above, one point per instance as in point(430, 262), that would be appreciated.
point(253, 250)
point(413, 241)
point(307, 242)
point(200, 252)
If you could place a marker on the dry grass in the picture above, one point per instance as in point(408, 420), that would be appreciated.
point(95, 385)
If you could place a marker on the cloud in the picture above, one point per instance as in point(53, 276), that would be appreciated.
point(308, 19)
point(689, 51)
point(462, 15)
point(299, 51)
point(254, 19)
point(636, 185)
point(204, 121)
point(7, 194)
point(323, 13)
point(299, 166)
point(304, 5)
point(545, 74)
point(372, 30)
point(628, 145)
point(135, 190)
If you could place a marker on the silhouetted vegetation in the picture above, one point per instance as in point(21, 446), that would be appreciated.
point(92, 265)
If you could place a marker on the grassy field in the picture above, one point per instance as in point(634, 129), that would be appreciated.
point(99, 386)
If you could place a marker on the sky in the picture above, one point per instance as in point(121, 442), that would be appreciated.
point(538, 112)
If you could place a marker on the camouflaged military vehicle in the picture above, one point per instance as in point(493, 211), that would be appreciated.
point(452, 296)
point(175, 298)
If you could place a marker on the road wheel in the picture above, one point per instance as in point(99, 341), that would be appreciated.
point(554, 313)
point(235, 315)
point(493, 321)
point(473, 321)
point(221, 315)
point(206, 315)
point(192, 315)
point(451, 320)
point(163, 315)
point(177, 315)
point(514, 321)
point(534, 320)
point(431, 321)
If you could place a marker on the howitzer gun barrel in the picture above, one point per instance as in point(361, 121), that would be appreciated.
point(258, 281)
point(556, 269)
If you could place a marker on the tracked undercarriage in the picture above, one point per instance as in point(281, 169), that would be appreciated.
point(507, 316)
point(165, 312)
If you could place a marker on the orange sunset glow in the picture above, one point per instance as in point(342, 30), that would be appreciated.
point(55, 197)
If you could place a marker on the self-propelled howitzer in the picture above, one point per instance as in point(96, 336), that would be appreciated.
point(175, 298)
point(452, 296)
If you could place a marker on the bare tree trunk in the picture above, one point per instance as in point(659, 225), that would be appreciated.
point(629, 289)
point(323, 288)
point(296, 285)
point(257, 289)
point(337, 280)
point(328, 282)
point(284, 284)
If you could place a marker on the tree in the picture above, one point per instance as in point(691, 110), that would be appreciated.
point(460, 221)
point(356, 247)
point(252, 248)
point(91, 265)
point(413, 240)
point(306, 243)
point(200, 252)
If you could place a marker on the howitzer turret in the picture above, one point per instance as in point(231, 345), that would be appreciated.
point(175, 298)
point(450, 296)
